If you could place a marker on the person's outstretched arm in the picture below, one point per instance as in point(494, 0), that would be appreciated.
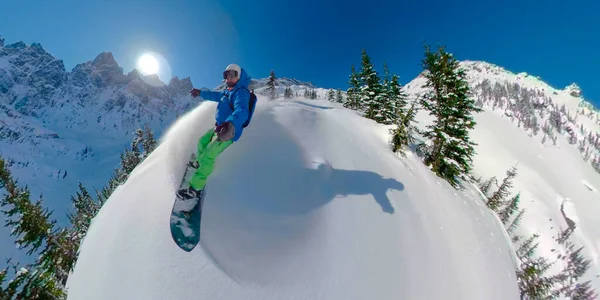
point(211, 96)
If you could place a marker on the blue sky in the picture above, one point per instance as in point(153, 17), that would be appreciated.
point(316, 41)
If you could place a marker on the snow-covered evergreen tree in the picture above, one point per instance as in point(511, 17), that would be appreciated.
point(403, 134)
point(511, 207)
point(288, 94)
point(39, 235)
point(330, 95)
point(372, 92)
point(487, 185)
point(447, 99)
point(496, 200)
point(353, 92)
point(389, 109)
point(532, 276)
point(271, 90)
point(339, 98)
point(398, 96)
point(512, 226)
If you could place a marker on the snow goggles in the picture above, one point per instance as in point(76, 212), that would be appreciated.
point(230, 74)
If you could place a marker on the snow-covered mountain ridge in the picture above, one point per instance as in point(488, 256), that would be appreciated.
point(544, 112)
point(53, 120)
point(280, 83)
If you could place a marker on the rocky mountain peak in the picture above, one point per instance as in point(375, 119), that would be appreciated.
point(184, 85)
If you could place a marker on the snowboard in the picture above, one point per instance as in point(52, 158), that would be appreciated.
point(186, 215)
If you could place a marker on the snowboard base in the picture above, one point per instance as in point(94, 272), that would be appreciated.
point(186, 215)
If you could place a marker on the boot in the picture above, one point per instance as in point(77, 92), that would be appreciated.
point(189, 193)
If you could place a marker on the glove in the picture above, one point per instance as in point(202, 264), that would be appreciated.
point(195, 92)
point(225, 131)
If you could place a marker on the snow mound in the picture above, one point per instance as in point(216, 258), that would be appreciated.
point(309, 204)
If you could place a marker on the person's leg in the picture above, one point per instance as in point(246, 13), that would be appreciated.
point(204, 140)
point(206, 161)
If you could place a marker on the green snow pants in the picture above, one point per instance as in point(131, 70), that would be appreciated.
point(209, 147)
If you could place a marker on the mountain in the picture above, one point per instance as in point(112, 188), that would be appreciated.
point(280, 83)
point(55, 125)
point(319, 209)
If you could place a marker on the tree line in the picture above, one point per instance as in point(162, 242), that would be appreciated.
point(533, 276)
point(36, 231)
point(447, 149)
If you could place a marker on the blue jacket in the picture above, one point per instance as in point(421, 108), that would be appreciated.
point(238, 97)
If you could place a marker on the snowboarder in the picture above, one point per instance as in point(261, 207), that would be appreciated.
point(233, 114)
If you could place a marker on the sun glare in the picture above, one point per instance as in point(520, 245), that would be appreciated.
point(148, 64)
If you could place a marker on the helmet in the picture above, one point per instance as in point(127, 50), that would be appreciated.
point(232, 69)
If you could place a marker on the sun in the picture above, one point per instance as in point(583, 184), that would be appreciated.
point(148, 64)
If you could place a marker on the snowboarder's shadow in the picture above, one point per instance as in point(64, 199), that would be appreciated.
point(337, 182)
point(301, 190)
point(269, 173)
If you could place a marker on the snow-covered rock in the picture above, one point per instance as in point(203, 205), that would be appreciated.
point(574, 90)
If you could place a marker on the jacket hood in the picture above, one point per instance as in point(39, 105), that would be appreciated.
point(244, 80)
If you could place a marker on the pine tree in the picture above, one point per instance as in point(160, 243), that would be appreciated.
point(271, 91)
point(55, 248)
point(532, 279)
point(485, 186)
point(447, 99)
point(372, 94)
point(575, 267)
point(339, 98)
point(515, 222)
point(527, 248)
point(531, 276)
point(584, 291)
point(510, 209)
point(288, 94)
point(330, 95)
point(496, 200)
point(398, 97)
point(148, 141)
point(403, 134)
point(85, 209)
point(392, 105)
point(4, 293)
point(35, 231)
point(353, 92)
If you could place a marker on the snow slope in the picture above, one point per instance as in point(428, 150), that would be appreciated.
point(548, 177)
point(309, 204)
point(556, 180)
